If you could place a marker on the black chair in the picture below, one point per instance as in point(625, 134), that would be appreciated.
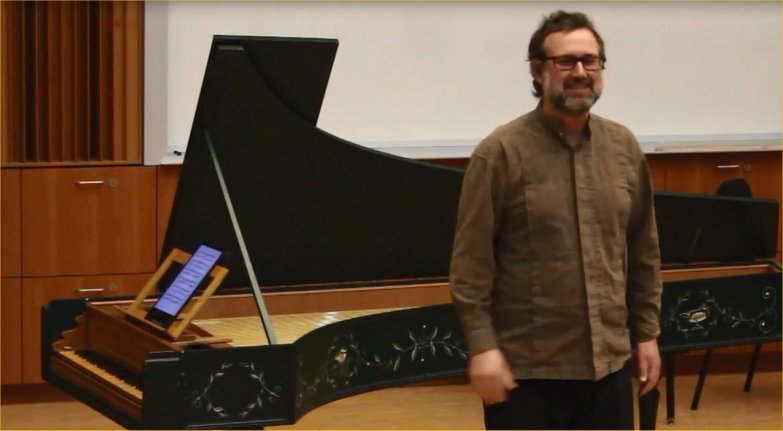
point(737, 187)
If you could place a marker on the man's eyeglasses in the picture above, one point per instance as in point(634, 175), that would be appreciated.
point(592, 63)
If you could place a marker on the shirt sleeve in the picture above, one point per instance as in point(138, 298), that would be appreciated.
point(472, 268)
point(644, 264)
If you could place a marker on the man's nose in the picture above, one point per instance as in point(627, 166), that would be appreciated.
point(579, 69)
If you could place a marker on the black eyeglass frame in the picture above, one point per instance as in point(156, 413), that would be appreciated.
point(577, 59)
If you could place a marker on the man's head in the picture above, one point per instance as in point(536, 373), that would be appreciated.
point(567, 57)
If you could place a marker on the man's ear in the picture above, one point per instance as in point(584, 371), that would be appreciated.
point(537, 71)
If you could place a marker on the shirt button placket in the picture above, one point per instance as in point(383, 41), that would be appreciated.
point(590, 242)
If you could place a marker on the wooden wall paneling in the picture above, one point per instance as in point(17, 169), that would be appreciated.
point(67, 62)
point(117, 79)
point(168, 178)
point(103, 60)
point(134, 79)
point(34, 150)
point(11, 252)
point(54, 79)
point(37, 292)
point(11, 73)
point(81, 89)
point(73, 72)
point(11, 318)
point(97, 220)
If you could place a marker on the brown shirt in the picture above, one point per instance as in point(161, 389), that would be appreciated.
point(551, 242)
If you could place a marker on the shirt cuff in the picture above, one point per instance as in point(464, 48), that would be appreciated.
point(480, 340)
point(646, 334)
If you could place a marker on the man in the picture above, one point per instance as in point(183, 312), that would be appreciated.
point(555, 271)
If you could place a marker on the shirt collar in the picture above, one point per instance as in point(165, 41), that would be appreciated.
point(553, 127)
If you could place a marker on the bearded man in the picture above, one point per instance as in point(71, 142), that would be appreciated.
point(555, 272)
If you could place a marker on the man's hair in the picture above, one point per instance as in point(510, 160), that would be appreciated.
point(556, 22)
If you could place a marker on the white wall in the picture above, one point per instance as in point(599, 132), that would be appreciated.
point(428, 74)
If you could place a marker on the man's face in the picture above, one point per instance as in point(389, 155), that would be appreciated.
point(574, 91)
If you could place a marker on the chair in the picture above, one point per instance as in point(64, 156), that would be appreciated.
point(737, 187)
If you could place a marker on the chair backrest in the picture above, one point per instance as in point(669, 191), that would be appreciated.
point(737, 187)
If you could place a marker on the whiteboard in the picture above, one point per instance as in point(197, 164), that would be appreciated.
point(440, 73)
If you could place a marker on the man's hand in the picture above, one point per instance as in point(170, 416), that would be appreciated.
point(648, 365)
point(490, 375)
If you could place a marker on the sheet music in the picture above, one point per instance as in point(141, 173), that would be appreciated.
point(187, 280)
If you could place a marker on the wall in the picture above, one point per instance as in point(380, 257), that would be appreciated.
point(446, 73)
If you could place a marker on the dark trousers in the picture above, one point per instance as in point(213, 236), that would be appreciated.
point(606, 404)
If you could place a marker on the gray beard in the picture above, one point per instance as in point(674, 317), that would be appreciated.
point(572, 106)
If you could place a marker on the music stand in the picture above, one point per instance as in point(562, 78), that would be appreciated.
point(176, 331)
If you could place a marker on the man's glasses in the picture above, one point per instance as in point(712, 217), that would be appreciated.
point(592, 63)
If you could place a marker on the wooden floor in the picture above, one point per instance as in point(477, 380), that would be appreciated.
point(723, 406)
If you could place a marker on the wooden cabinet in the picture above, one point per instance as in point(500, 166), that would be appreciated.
point(703, 173)
point(11, 318)
point(37, 292)
point(70, 220)
point(10, 286)
point(763, 172)
point(11, 223)
point(657, 165)
point(88, 220)
point(65, 230)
